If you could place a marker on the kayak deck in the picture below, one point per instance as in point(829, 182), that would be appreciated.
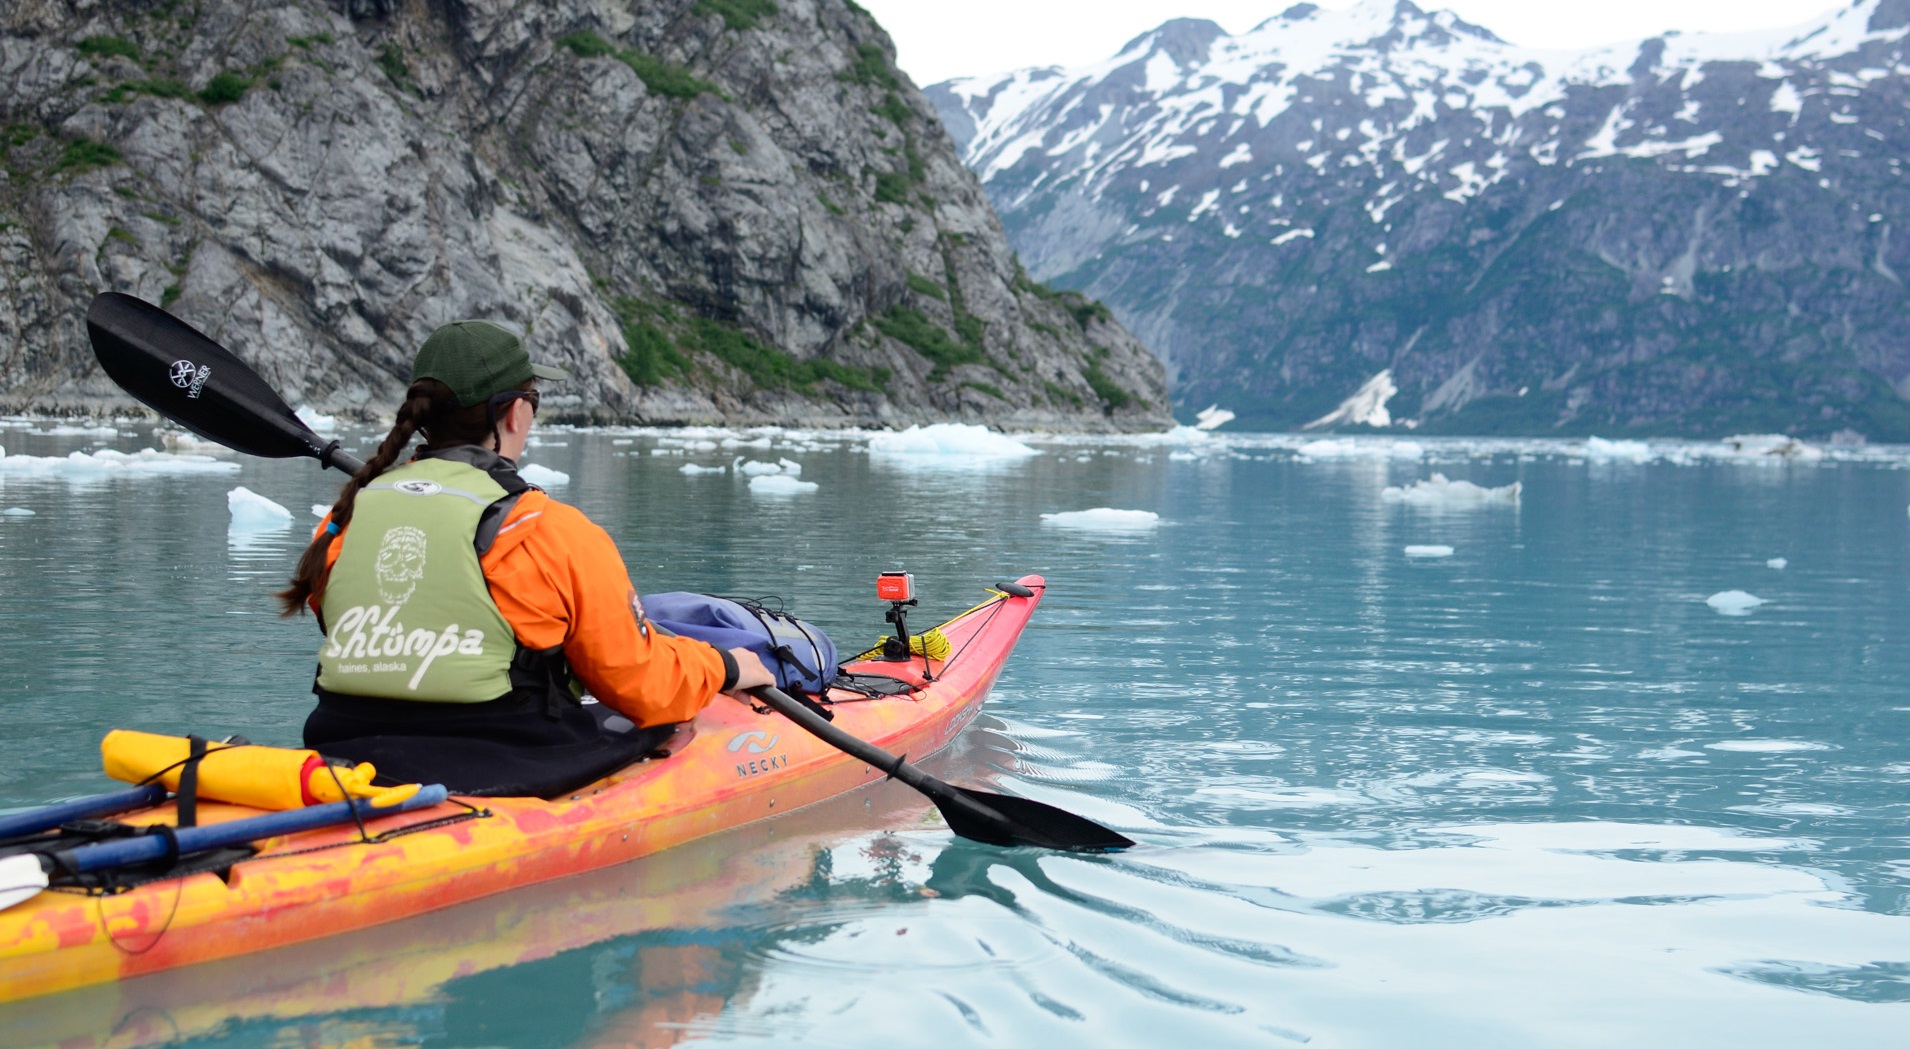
point(731, 766)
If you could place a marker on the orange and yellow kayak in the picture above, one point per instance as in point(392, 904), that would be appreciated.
point(731, 766)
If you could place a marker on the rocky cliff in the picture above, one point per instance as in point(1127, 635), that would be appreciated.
point(709, 210)
point(1386, 216)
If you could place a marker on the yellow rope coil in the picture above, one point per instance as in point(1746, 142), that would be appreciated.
point(933, 644)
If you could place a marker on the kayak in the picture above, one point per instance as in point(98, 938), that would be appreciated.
point(735, 764)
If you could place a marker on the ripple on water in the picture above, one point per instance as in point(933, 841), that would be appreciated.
point(1875, 982)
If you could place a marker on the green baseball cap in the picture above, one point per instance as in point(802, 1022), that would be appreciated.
point(478, 359)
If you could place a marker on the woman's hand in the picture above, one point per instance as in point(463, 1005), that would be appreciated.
point(750, 672)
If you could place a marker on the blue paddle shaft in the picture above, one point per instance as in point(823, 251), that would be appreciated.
point(48, 817)
point(148, 847)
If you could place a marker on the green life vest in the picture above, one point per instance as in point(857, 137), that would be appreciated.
point(407, 610)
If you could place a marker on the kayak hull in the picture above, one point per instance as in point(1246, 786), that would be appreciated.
point(731, 767)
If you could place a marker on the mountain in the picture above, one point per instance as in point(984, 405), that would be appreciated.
point(709, 210)
point(1385, 216)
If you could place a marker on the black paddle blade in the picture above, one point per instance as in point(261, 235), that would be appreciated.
point(1006, 820)
point(174, 369)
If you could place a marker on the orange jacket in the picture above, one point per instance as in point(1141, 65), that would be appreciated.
point(559, 580)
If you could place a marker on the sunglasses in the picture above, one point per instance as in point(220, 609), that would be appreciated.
point(504, 399)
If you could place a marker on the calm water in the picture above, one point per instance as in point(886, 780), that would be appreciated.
point(1534, 793)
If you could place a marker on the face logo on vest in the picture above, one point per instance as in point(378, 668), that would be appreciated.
point(400, 563)
point(419, 486)
point(190, 377)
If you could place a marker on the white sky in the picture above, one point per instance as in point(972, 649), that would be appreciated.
point(939, 39)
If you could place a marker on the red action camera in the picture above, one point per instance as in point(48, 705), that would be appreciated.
point(895, 586)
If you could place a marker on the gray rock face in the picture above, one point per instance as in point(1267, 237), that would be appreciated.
point(1688, 235)
point(708, 210)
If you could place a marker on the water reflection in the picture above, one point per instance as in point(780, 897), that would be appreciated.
point(1535, 793)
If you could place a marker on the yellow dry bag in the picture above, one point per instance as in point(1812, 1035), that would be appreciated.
point(244, 774)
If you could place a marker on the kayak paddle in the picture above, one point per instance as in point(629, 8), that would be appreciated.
point(47, 817)
point(147, 351)
point(174, 369)
point(993, 819)
point(24, 875)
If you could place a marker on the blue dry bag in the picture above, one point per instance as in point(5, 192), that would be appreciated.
point(801, 656)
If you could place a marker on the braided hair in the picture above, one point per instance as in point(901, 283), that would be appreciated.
point(431, 409)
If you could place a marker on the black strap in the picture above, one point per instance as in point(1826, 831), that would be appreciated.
point(545, 674)
point(189, 786)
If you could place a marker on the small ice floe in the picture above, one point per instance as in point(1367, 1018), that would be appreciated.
point(1772, 446)
point(1733, 602)
point(948, 444)
point(318, 421)
point(1598, 449)
point(107, 463)
point(1429, 550)
point(1103, 519)
point(692, 470)
point(780, 484)
point(319, 510)
point(1213, 417)
point(183, 441)
point(16, 511)
point(252, 512)
point(74, 431)
point(542, 476)
point(1348, 448)
point(753, 468)
point(1767, 746)
point(1330, 448)
point(1438, 491)
point(1777, 563)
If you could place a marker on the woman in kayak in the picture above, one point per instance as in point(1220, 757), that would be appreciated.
point(463, 608)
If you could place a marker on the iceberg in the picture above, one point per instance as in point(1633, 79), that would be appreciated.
point(1213, 417)
point(1438, 491)
point(1601, 450)
point(542, 476)
point(1347, 448)
point(318, 421)
point(1429, 550)
point(780, 484)
point(1777, 562)
point(1772, 446)
point(1733, 602)
point(956, 444)
point(16, 511)
point(1103, 519)
point(252, 512)
point(109, 463)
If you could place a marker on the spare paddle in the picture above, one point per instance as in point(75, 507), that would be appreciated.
point(174, 369)
point(47, 817)
point(147, 351)
point(23, 876)
point(995, 819)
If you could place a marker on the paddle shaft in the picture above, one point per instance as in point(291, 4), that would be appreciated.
point(48, 817)
point(937, 791)
point(148, 847)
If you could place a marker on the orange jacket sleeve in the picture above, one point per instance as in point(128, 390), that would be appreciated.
point(559, 580)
